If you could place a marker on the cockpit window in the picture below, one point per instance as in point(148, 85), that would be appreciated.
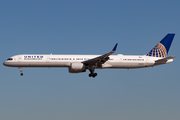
point(10, 59)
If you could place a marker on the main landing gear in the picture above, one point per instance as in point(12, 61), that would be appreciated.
point(21, 71)
point(92, 74)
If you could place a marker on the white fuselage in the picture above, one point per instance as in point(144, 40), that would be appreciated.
point(80, 63)
point(115, 61)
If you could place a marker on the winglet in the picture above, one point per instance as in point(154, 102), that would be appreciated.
point(114, 49)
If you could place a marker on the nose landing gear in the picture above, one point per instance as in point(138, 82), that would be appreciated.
point(21, 74)
point(21, 71)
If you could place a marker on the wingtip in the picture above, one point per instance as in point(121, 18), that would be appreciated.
point(114, 49)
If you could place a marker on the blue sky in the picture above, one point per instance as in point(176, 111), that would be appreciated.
point(88, 27)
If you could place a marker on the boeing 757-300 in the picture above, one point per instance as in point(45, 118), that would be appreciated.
point(81, 63)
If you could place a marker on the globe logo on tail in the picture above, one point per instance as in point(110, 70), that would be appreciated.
point(158, 51)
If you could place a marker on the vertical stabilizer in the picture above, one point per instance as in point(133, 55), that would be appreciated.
point(162, 48)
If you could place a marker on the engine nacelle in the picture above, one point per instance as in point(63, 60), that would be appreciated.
point(77, 67)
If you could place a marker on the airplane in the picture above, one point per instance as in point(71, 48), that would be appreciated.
point(81, 63)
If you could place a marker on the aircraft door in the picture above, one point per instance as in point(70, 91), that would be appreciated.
point(120, 62)
point(19, 58)
point(48, 59)
point(146, 62)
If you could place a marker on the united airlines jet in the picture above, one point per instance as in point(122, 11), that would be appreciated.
point(81, 63)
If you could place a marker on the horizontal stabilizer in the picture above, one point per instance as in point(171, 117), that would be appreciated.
point(165, 59)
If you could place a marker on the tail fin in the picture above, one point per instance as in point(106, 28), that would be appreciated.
point(162, 48)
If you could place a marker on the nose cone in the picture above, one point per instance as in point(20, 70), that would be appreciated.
point(5, 63)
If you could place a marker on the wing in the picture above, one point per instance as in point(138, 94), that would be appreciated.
point(101, 59)
point(165, 59)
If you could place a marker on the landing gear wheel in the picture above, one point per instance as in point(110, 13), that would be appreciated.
point(93, 75)
point(90, 75)
point(21, 74)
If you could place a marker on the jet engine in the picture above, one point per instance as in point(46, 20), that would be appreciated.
point(77, 67)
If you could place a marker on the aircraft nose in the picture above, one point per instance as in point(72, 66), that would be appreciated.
point(4, 63)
